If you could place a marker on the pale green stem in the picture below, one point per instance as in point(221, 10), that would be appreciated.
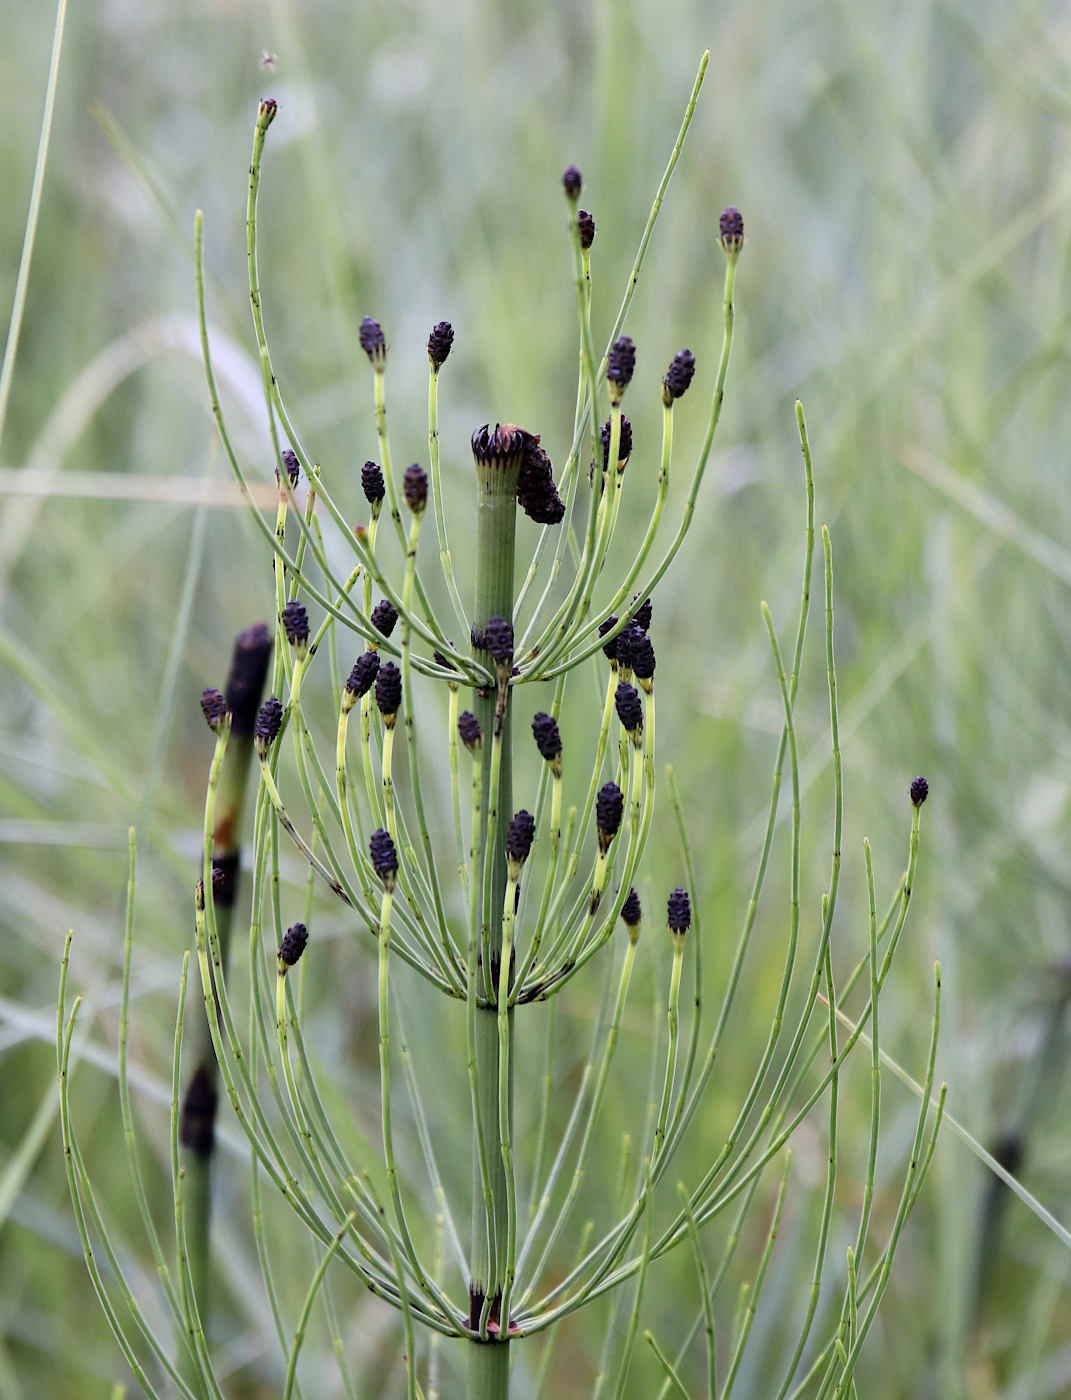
point(495, 534)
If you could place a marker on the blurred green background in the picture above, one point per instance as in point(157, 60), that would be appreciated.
point(905, 179)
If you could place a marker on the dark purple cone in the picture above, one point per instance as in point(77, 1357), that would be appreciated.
point(679, 911)
point(362, 677)
point(731, 230)
point(609, 806)
point(372, 483)
point(629, 707)
point(678, 376)
point(920, 789)
point(631, 913)
point(621, 362)
point(643, 656)
point(384, 617)
point(572, 181)
point(500, 446)
point(295, 623)
point(384, 857)
point(373, 342)
point(498, 641)
point(415, 488)
point(519, 837)
point(642, 615)
point(585, 227)
point(627, 640)
point(439, 343)
point(249, 670)
point(536, 493)
point(214, 709)
point(269, 722)
point(468, 728)
point(290, 462)
point(388, 690)
point(295, 940)
point(624, 446)
point(610, 649)
point(547, 736)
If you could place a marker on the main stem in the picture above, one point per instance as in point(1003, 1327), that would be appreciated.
point(245, 688)
point(495, 529)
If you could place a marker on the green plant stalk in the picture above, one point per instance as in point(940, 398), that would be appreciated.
point(451, 956)
point(245, 686)
point(546, 669)
point(125, 1101)
point(22, 278)
point(196, 1361)
point(87, 1214)
point(703, 1278)
point(495, 535)
point(445, 557)
point(276, 409)
point(579, 1171)
point(590, 405)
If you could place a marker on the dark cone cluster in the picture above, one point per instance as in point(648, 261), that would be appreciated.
point(609, 806)
point(384, 617)
point(624, 446)
point(373, 343)
point(537, 495)
point(502, 445)
point(269, 722)
point(415, 488)
point(214, 709)
point(572, 181)
point(295, 941)
point(439, 343)
point(585, 227)
point(920, 789)
point(384, 857)
point(610, 648)
point(510, 447)
point(678, 377)
point(631, 913)
point(626, 640)
point(498, 641)
point(362, 677)
point(731, 230)
point(643, 657)
point(519, 837)
point(548, 739)
point(620, 366)
point(679, 912)
point(290, 462)
point(295, 623)
point(372, 483)
point(388, 691)
point(469, 731)
point(249, 670)
point(629, 708)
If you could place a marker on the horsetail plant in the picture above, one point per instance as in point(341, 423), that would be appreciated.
point(515, 909)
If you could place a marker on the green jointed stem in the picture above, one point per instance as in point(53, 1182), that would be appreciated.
point(445, 557)
point(489, 1259)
